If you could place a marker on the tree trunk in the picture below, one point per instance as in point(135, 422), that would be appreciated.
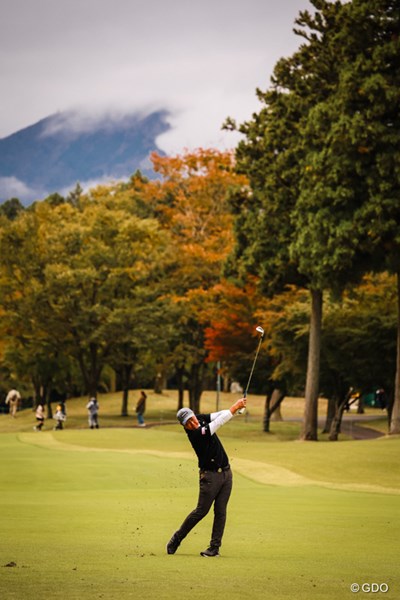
point(126, 373)
point(310, 424)
point(42, 395)
point(226, 380)
point(37, 392)
point(92, 388)
point(181, 387)
point(125, 400)
point(330, 415)
point(47, 400)
point(340, 406)
point(181, 396)
point(196, 386)
point(267, 414)
point(395, 411)
point(158, 383)
point(337, 422)
point(89, 373)
point(276, 414)
point(272, 404)
point(360, 406)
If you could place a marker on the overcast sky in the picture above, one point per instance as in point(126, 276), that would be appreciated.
point(202, 60)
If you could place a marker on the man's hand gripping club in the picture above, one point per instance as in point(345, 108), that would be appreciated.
point(239, 404)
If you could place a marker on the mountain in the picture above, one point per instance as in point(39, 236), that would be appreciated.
point(63, 149)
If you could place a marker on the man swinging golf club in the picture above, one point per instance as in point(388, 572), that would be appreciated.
point(215, 474)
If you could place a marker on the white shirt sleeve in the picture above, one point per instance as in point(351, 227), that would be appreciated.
point(218, 419)
point(213, 416)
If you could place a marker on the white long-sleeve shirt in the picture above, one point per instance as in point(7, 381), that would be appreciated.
point(218, 419)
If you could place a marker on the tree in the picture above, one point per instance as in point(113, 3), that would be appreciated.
point(11, 208)
point(274, 155)
point(228, 312)
point(37, 363)
point(361, 155)
point(230, 340)
point(71, 274)
point(342, 82)
point(141, 330)
point(355, 329)
point(191, 202)
point(28, 351)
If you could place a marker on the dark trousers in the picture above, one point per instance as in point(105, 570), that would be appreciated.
point(214, 488)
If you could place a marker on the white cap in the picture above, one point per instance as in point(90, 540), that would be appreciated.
point(184, 414)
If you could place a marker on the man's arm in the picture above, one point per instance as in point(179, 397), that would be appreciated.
point(220, 418)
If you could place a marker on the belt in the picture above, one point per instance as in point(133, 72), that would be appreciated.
point(216, 470)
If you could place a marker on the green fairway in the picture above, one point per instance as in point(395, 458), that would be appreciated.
point(86, 514)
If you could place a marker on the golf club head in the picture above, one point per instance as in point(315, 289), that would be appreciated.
point(260, 330)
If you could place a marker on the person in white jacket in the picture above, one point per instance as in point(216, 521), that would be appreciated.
point(13, 398)
point(39, 417)
point(93, 411)
point(215, 474)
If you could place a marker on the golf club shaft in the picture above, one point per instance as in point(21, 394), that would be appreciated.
point(241, 411)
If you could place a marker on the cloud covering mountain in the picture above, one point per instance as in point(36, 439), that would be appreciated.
point(63, 149)
point(202, 61)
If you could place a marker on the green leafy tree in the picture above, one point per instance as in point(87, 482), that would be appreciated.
point(28, 348)
point(357, 166)
point(356, 329)
point(38, 365)
point(11, 208)
point(140, 327)
point(70, 274)
point(274, 156)
point(331, 85)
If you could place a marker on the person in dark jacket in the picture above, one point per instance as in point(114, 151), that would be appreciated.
point(215, 474)
point(141, 408)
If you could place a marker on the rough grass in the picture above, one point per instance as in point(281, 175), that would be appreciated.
point(87, 514)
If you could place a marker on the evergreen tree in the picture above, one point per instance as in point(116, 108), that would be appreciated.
point(349, 202)
point(273, 155)
point(337, 216)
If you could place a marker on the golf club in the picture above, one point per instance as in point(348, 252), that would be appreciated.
point(261, 332)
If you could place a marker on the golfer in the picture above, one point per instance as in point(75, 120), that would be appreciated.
point(215, 474)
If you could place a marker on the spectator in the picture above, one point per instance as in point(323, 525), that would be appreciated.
point(141, 408)
point(380, 398)
point(39, 416)
point(93, 409)
point(60, 417)
point(12, 399)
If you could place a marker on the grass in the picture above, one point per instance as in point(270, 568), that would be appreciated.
point(161, 408)
point(87, 514)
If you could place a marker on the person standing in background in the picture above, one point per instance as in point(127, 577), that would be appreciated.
point(39, 416)
point(12, 399)
point(59, 417)
point(93, 409)
point(141, 408)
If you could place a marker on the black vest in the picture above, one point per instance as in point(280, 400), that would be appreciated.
point(209, 450)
